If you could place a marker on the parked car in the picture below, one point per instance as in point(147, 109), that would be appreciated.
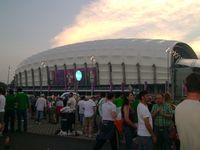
point(66, 94)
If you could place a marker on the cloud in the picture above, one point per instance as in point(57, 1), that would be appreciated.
point(155, 19)
point(196, 45)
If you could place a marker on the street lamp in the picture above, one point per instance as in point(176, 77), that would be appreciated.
point(8, 79)
point(93, 60)
point(42, 65)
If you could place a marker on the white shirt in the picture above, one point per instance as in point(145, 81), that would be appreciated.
point(59, 103)
point(107, 108)
point(187, 117)
point(102, 100)
point(72, 103)
point(41, 104)
point(2, 103)
point(89, 107)
point(81, 106)
point(143, 112)
point(66, 109)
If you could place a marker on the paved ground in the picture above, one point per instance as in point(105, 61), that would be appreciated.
point(42, 137)
point(28, 141)
point(46, 128)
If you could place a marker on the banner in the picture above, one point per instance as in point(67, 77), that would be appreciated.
point(60, 77)
point(67, 78)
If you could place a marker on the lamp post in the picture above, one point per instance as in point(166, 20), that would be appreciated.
point(93, 60)
point(8, 79)
point(42, 65)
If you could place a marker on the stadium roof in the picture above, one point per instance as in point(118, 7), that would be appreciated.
point(190, 62)
point(107, 48)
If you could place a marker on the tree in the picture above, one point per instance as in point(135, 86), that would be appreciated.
point(3, 85)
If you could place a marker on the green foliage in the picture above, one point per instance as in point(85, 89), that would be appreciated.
point(3, 85)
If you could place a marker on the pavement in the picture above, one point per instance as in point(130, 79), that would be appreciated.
point(42, 137)
point(46, 128)
point(28, 141)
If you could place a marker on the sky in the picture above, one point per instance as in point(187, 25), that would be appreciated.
point(28, 27)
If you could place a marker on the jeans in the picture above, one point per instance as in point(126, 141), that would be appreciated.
point(9, 120)
point(81, 116)
point(39, 115)
point(107, 132)
point(22, 116)
point(162, 135)
point(145, 143)
point(129, 135)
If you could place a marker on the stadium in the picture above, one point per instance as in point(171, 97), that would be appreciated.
point(108, 65)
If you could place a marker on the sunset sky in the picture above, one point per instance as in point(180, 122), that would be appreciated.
point(29, 27)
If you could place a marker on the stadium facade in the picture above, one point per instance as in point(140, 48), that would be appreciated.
point(107, 65)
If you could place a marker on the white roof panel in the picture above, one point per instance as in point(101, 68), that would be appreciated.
point(139, 48)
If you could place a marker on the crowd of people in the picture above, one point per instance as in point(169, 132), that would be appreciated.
point(159, 124)
point(152, 120)
point(12, 107)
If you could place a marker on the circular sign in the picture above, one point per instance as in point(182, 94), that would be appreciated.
point(78, 75)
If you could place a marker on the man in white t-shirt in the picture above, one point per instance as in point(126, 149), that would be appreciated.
point(89, 109)
point(59, 106)
point(81, 109)
point(146, 136)
point(72, 104)
point(187, 115)
point(107, 130)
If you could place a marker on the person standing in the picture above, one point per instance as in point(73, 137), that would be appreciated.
point(107, 129)
point(40, 105)
point(10, 111)
point(72, 104)
point(187, 115)
point(162, 115)
point(129, 128)
point(33, 109)
point(22, 107)
point(168, 99)
point(100, 103)
point(101, 100)
point(134, 106)
point(89, 110)
point(2, 109)
point(146, 136)
point(81, 109)
point(119, 100)
point(59, 106)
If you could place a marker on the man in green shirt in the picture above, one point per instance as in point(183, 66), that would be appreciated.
point(10, 111)
point(22, 106)
point(162, 114)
